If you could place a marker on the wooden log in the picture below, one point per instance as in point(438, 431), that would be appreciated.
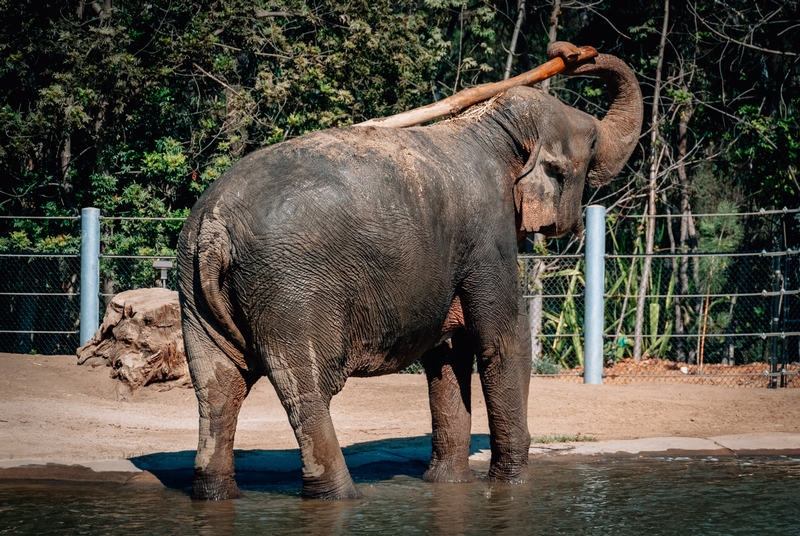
point(140, 339)
point(464, 99)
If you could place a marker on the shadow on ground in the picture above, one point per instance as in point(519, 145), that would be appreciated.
point(279, 470)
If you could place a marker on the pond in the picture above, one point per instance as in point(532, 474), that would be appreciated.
point(657, 495)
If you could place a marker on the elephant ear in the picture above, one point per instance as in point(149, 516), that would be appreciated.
point(535, 206)
point(535, 196)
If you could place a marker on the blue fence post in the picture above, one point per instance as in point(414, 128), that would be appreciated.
point(595, 282)
point(90, 273)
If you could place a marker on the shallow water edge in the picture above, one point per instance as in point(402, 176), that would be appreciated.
point(660, 495)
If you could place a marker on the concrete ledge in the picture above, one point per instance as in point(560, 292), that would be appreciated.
point(761, 444)
point(682, 446)
point(776, 444)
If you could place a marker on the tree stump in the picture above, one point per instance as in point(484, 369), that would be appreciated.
point(140, 339)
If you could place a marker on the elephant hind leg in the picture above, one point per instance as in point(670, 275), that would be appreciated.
point(221, 387)
point(307, 404)
point(449, 374)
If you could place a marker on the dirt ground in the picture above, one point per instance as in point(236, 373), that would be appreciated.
point(52, 409)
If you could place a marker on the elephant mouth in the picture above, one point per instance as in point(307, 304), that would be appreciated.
point(550, 231)
point(554, 230)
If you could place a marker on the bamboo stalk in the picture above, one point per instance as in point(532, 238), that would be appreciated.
point(703, 337)
point(463, 99)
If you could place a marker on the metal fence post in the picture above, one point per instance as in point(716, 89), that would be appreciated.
point(90, 273)
point(595, 283)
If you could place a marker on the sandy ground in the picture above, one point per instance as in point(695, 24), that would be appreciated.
point(52, 409)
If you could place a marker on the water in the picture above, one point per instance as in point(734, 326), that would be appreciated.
point(600, 496)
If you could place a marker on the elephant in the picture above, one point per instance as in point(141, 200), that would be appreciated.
point(357, 251)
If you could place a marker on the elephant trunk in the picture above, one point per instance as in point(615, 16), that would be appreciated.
point(619, 130)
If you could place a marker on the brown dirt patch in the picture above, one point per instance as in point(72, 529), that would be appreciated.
point(50, 408)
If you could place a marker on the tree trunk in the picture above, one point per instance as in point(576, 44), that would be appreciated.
point(688, 244)
point(730, 342)
point(27, 323)
point(552, 35)
point(108, 290)
point(512, 48)
point(673, 249)
point(66, 181)
point(140, 338)
point(641, 295)
point(624, 308)
point(655, 157)
point(680, 324)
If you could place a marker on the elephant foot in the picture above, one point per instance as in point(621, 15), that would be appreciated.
point(215, 488)
point(325, 490)
point(518, 473)
point(448, 472)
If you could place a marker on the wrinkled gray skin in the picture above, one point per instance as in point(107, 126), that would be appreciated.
point(357, 251)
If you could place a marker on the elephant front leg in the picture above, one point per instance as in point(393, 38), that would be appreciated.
point(505, 371)
point(497, 323)
point(449, 372)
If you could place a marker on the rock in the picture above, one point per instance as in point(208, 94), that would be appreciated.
point(140, 339)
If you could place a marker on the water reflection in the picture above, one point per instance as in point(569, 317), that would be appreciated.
point(327, 517)
point(451, 506)
point(213, 517)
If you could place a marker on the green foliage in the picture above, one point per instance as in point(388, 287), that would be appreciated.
point(414, 368)
point(541, 366)
point(138, 109)
point(166, 163)
point(589, 91)
point(561, 350)
point(168, 96)
point(767, 151)
point(41, 237)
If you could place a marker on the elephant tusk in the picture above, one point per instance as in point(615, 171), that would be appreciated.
point(463, 99)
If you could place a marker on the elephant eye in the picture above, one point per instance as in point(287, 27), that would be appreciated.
point(556, 169)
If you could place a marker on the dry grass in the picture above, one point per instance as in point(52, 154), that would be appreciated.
point(558, 438)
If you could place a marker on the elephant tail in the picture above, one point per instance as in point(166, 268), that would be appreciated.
point(213, 261)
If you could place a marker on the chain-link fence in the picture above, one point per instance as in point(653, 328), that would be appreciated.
point(745, 333)
point(39, 284)
point(39, 303)
point(715, 318)
point(40, 288)
point(709, 317)
point(553, 287)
